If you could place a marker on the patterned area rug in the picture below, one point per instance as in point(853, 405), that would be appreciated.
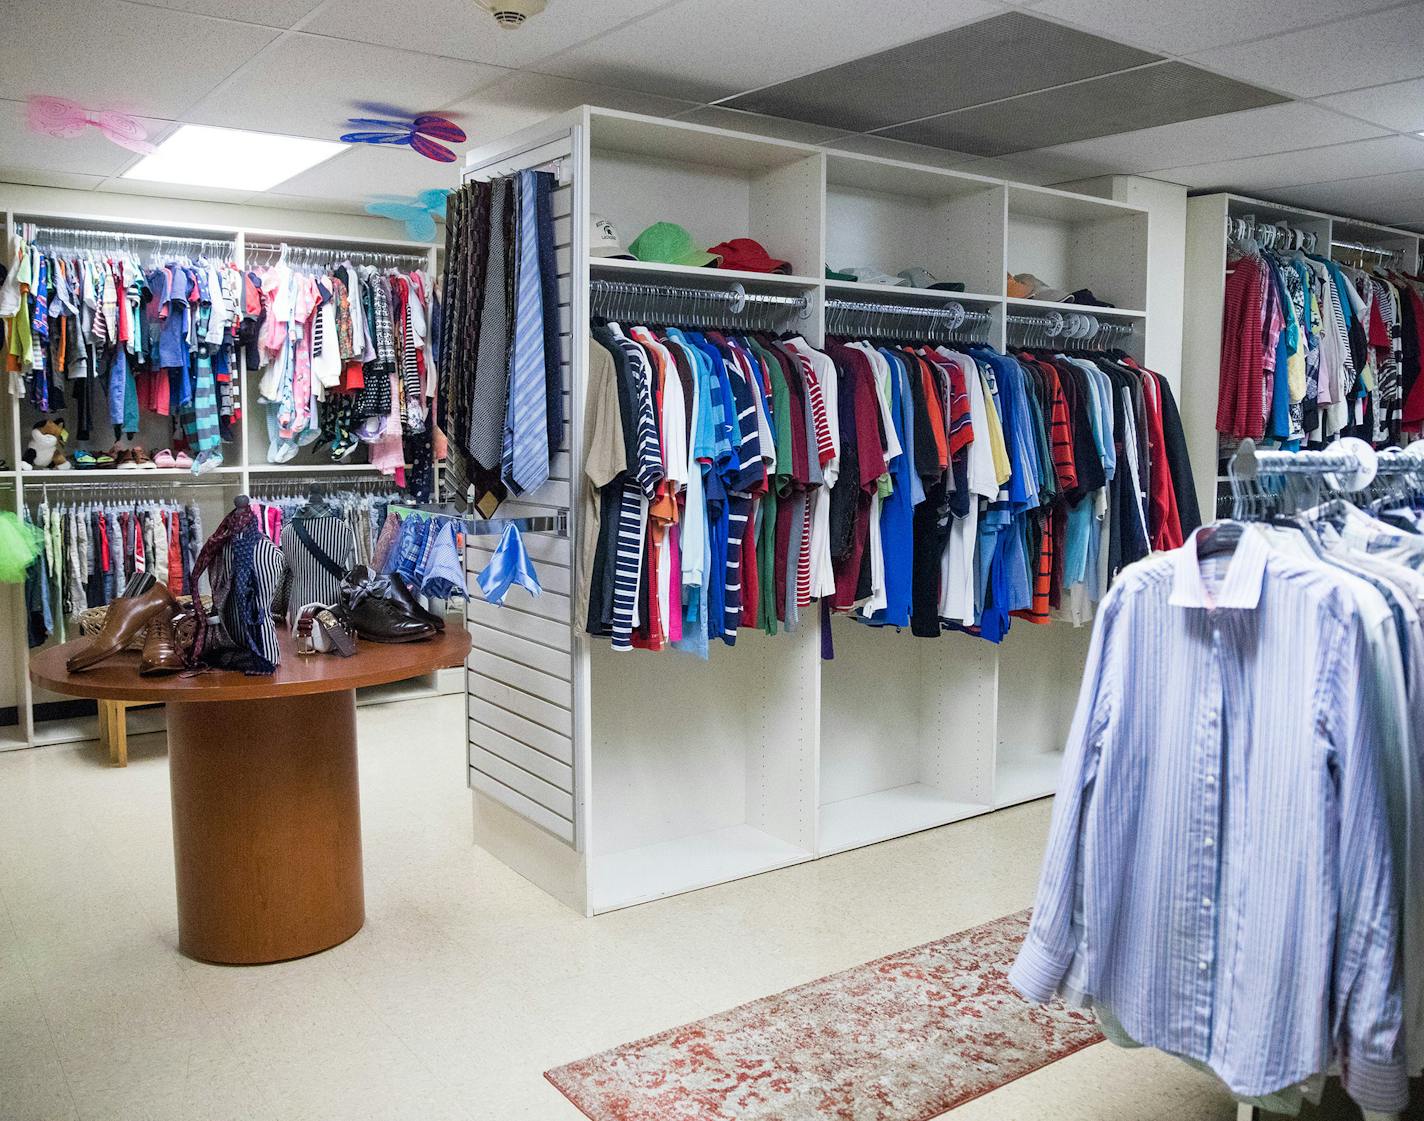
point(904, 1038)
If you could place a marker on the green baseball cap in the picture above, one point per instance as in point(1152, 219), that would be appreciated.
point(670, 244)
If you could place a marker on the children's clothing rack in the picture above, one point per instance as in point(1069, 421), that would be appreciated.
point(610, 779)
point(244, 467)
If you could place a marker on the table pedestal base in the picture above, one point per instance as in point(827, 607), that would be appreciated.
point(266, 826)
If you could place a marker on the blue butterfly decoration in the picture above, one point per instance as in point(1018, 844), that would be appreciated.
point(418, 212)
point(422, 132)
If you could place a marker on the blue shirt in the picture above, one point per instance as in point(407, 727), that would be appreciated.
point(1219, 873)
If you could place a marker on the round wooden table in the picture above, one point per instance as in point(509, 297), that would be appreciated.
point(266, 800)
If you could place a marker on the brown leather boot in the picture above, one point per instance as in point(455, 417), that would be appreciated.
point(127, 616)
point(160, 648)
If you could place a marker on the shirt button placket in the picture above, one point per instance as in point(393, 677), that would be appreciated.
point(1211, 755)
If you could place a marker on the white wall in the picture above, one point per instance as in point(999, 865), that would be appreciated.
point(22, 199)
point(1166, 260)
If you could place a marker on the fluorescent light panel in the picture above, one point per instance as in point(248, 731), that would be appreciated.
point(204, 156)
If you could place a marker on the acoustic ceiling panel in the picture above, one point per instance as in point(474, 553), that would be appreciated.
point(1143, 98)
point(1399, 105)
point(1003, 56)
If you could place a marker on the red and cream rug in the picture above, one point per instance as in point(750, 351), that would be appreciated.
point(904, 1038)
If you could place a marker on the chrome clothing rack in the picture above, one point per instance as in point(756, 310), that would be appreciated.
point(323, 255)
point(864, 317)
point(552, 525)
point(89, 240)
point(706, 307)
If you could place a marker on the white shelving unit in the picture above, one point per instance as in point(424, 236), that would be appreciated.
point(612, 779)
point(213, 491)
point(1205, 288)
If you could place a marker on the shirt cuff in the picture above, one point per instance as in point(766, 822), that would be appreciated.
point(1377, 1086)
point(1036, 973)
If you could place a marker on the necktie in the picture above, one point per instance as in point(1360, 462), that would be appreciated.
point(486, 436)
point(524, 462)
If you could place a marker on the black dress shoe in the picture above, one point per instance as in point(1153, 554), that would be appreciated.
point(392, 587)
point(401, 592)
point(378, 618)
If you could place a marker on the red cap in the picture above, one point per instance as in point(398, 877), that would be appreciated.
point(748, 255)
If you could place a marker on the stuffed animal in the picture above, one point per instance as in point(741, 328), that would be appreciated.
point(46, 450)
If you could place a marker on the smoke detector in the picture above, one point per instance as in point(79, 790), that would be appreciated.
point(511, 14)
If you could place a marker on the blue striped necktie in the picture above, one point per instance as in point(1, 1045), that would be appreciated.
point(524, 460)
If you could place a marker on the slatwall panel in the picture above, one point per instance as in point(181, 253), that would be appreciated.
point(520, 669)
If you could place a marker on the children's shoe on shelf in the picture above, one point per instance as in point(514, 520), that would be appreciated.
point(182, 460)
point(164, 459)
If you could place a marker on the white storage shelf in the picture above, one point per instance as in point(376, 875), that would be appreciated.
point(636, 776)
point(654, 272)
point(776, 203)
point(740, 756)
point(907, 734)
point(895, 216)
point(1072, 242)
point(1040, 670)
point(856, 290)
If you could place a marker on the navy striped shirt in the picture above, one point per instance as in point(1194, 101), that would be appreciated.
point(1219, 873)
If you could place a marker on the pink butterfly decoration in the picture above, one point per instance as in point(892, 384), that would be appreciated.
point(56, 116)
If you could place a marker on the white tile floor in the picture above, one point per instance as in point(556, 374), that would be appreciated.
point(467, 982)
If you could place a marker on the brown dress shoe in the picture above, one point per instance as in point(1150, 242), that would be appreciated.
point(160, 648)
point(127, 616)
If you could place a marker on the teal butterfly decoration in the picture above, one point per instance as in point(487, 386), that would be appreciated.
point(418, 212)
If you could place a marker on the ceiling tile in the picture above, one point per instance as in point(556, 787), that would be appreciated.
point(777, 127)
point(458, 29)
point(869, 144)
point(1314, 165)
point(1398, 105)
point(357, 174)
point(49, 178)
point(1275, 128)
point(526, 99)
point(269, 13)
point(1380, 47)
point(1377, 193)
point(175, 191)
point(324, 206)
point(1032, 167)
point(85, 50)
point(913, 81)
point(1180, 27)
point(1142, 98)
point(704, 51)
point(265, 96)
point(88, 153)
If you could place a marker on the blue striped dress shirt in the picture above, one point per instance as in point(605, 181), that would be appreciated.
point(1218, 872)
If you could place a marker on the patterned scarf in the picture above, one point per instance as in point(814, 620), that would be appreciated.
point(240, 530)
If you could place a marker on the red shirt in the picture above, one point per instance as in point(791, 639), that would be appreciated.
point(1239, 405)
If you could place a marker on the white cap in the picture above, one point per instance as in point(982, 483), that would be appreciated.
point(872, 274)
point(603, 240)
